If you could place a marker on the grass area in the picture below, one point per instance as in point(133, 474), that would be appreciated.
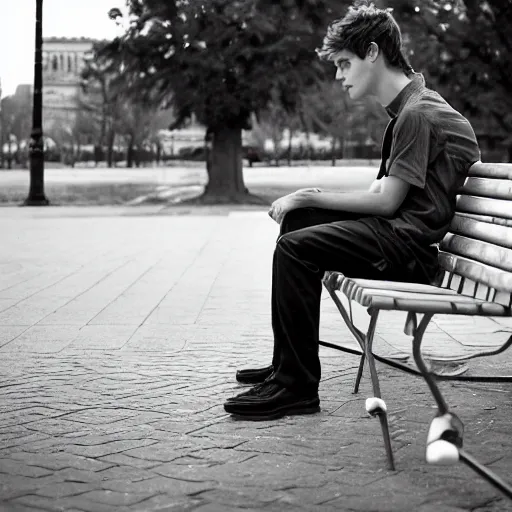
point(112, 194)
point(87, 194)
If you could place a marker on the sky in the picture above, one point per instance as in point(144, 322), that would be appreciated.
point(61, 18)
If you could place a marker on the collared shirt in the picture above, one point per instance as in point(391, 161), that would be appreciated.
point(431, 146)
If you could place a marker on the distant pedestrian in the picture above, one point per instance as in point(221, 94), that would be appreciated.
point(388, 232)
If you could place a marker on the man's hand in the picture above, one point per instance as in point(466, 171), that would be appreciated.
point(280, 207)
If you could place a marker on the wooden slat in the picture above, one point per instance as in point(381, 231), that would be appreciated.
point(492, 277)
point(433, 303)
point(484, 252)
point(499, 235)
point(498, 171)
point(486, 187)
point(425, 306)
point(484, 292)
point(399, 286)
point(485, 206)
point(364, 296)
point(487, 219)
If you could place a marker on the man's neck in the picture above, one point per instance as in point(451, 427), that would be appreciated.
point(390, 85)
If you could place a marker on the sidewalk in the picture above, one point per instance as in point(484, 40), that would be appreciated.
point(120, 333)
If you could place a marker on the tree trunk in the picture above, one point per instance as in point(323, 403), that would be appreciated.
point(225, 176)
point(290, 134)
point(308, 146)
point(225, 171)
point(129, 153)
point(158, 154)
point(9, 156)
point(333, 150)
point(97, 155)
point(110, 149)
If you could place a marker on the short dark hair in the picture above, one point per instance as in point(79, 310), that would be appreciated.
point(363, 24)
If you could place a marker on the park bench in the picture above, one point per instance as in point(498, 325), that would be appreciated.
point(476, 279)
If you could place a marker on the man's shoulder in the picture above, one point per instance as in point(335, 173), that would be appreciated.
point(425, 101)
point(413, 116)
point(430, 106)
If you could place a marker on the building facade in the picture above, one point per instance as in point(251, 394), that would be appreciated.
point(63, 61)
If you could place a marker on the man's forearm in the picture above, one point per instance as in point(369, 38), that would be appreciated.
point(364, 202)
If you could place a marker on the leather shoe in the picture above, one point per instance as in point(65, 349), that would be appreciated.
point(254, 376)
point(269, 401)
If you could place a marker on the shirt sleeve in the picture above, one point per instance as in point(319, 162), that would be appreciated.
point(410, 150)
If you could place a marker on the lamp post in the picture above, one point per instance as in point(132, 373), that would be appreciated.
point(36, 196)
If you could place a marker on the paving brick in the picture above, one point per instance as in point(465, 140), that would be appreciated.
point(13, 467)
point(128, 414)
point(42, 339)
point(65, 489)
point(113, 498)
point(126, 460)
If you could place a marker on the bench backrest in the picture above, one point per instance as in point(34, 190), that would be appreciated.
point(477, 252)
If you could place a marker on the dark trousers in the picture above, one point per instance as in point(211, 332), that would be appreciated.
point(312, 241)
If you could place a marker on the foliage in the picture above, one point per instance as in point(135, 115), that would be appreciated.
point(223, 59)
point(16, 117)
point(465, 49)
point(117, 113)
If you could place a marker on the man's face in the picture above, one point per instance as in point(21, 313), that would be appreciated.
point(356, 75)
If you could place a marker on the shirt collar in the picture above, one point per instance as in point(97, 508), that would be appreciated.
point(417, 83)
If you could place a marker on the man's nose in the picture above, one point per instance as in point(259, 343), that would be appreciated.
point(339, 75)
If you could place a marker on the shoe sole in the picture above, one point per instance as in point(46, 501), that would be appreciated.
point(276, 413)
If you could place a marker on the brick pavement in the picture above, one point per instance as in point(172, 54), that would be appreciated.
point(120, 331)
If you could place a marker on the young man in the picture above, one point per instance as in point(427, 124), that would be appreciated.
point(388, 232)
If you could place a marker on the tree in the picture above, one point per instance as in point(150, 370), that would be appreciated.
point(465, 49)
point(272, 121)
point(102, 101)
point(325, 109)
point(15, 120)
point(220, 60)
point(71, 138)
point(119, 111)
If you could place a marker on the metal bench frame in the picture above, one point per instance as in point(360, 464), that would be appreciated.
point(445, 437)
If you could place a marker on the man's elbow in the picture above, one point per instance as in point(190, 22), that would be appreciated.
point(389, 208)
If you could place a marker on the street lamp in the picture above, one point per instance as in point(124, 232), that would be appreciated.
point(36, 195)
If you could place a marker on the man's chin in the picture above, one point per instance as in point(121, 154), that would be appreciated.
point(352, 94)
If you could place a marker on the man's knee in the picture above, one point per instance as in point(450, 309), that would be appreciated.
point(296, 246)
point(295, 219)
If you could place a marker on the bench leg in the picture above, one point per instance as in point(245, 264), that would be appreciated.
point(445, 436)
point(376, 406)
point(331, 286)
point(359, 375)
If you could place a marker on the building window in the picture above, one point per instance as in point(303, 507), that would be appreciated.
point(55, 63)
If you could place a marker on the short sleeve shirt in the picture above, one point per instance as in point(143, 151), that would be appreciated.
point(432, 148)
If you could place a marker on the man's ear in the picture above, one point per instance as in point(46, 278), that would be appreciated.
point(373, 51)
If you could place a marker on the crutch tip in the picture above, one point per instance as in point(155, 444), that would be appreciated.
point(375, 406)
point(442, 453)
